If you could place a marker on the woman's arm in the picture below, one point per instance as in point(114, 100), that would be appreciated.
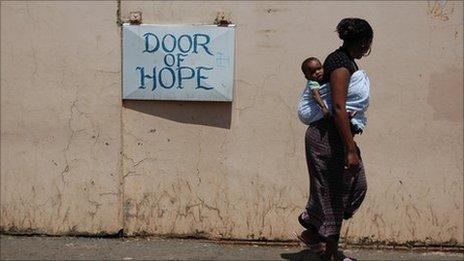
point(339, 80)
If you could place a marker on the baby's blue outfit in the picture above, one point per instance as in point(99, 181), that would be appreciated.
point(312, 85)
point(357, 100)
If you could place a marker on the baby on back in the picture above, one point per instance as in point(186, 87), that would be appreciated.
point(314, 73)
point(316, 103)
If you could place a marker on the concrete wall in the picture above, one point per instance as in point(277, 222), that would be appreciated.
point(60, 117)
point(230, 170)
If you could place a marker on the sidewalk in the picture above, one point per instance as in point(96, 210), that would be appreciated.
point(154, 248)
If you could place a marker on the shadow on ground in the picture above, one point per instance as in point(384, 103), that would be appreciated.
point(302, 255)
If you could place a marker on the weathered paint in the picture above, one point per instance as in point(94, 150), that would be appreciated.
point(226, 170)
point(60, 117)
point(248, 179)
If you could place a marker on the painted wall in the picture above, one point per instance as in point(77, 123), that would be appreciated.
point(226, 170)
point(60, 117)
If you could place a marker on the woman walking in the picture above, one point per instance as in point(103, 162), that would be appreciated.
point(337, 180)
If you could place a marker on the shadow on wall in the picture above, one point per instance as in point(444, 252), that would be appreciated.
point(215, 114)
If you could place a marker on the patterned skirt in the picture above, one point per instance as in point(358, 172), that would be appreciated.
point(335, 193)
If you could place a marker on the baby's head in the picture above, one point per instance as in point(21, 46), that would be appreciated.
point(312, 69)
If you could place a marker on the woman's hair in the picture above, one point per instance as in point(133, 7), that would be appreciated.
point(352, 29)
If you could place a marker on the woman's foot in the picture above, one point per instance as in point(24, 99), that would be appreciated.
point(311, 241)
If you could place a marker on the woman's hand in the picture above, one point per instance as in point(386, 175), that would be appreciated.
point(351, 160)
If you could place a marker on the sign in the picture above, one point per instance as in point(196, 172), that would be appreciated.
point(178, 62)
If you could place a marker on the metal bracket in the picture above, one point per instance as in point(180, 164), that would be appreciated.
point(222, 19)
point(135, 17)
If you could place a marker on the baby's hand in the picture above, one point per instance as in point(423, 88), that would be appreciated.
point(326, 113)
point(351, 114)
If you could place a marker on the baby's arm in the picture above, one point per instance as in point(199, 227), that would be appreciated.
point(318, 99)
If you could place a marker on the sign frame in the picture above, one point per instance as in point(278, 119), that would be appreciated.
point(181, 62)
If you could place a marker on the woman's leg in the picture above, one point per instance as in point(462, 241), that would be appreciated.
point(312, 241)
point(310, 231)
point(352, 201)
point(310, 235)
point(320, 218)
point(332, 253)
point(331, 248)
point(335, 194)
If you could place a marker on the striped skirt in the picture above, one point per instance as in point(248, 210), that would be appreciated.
point(335, 193)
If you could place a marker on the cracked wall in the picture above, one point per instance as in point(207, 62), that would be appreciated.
point(225, 170)
point(187, 172)
point(60, 117)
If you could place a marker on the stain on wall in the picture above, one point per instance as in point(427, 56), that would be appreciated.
point(445, 94)
point(440, 9)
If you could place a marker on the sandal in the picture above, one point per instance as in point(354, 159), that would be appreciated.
point(317, 248)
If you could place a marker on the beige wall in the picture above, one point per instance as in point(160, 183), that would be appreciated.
point(60, 117)
point(229, 170)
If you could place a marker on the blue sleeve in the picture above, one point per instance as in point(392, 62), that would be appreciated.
point(313, 85)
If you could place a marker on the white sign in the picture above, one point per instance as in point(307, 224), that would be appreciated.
point(178, 62)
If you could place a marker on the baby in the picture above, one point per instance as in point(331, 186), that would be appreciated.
point(314, 73)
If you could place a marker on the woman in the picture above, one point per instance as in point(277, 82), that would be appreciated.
point(337, 180)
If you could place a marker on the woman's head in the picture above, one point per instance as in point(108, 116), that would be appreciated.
point(357, 36)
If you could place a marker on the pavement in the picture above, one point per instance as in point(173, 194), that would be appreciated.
point(156, 248)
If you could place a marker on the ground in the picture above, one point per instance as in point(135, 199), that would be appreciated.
point(155, 248)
